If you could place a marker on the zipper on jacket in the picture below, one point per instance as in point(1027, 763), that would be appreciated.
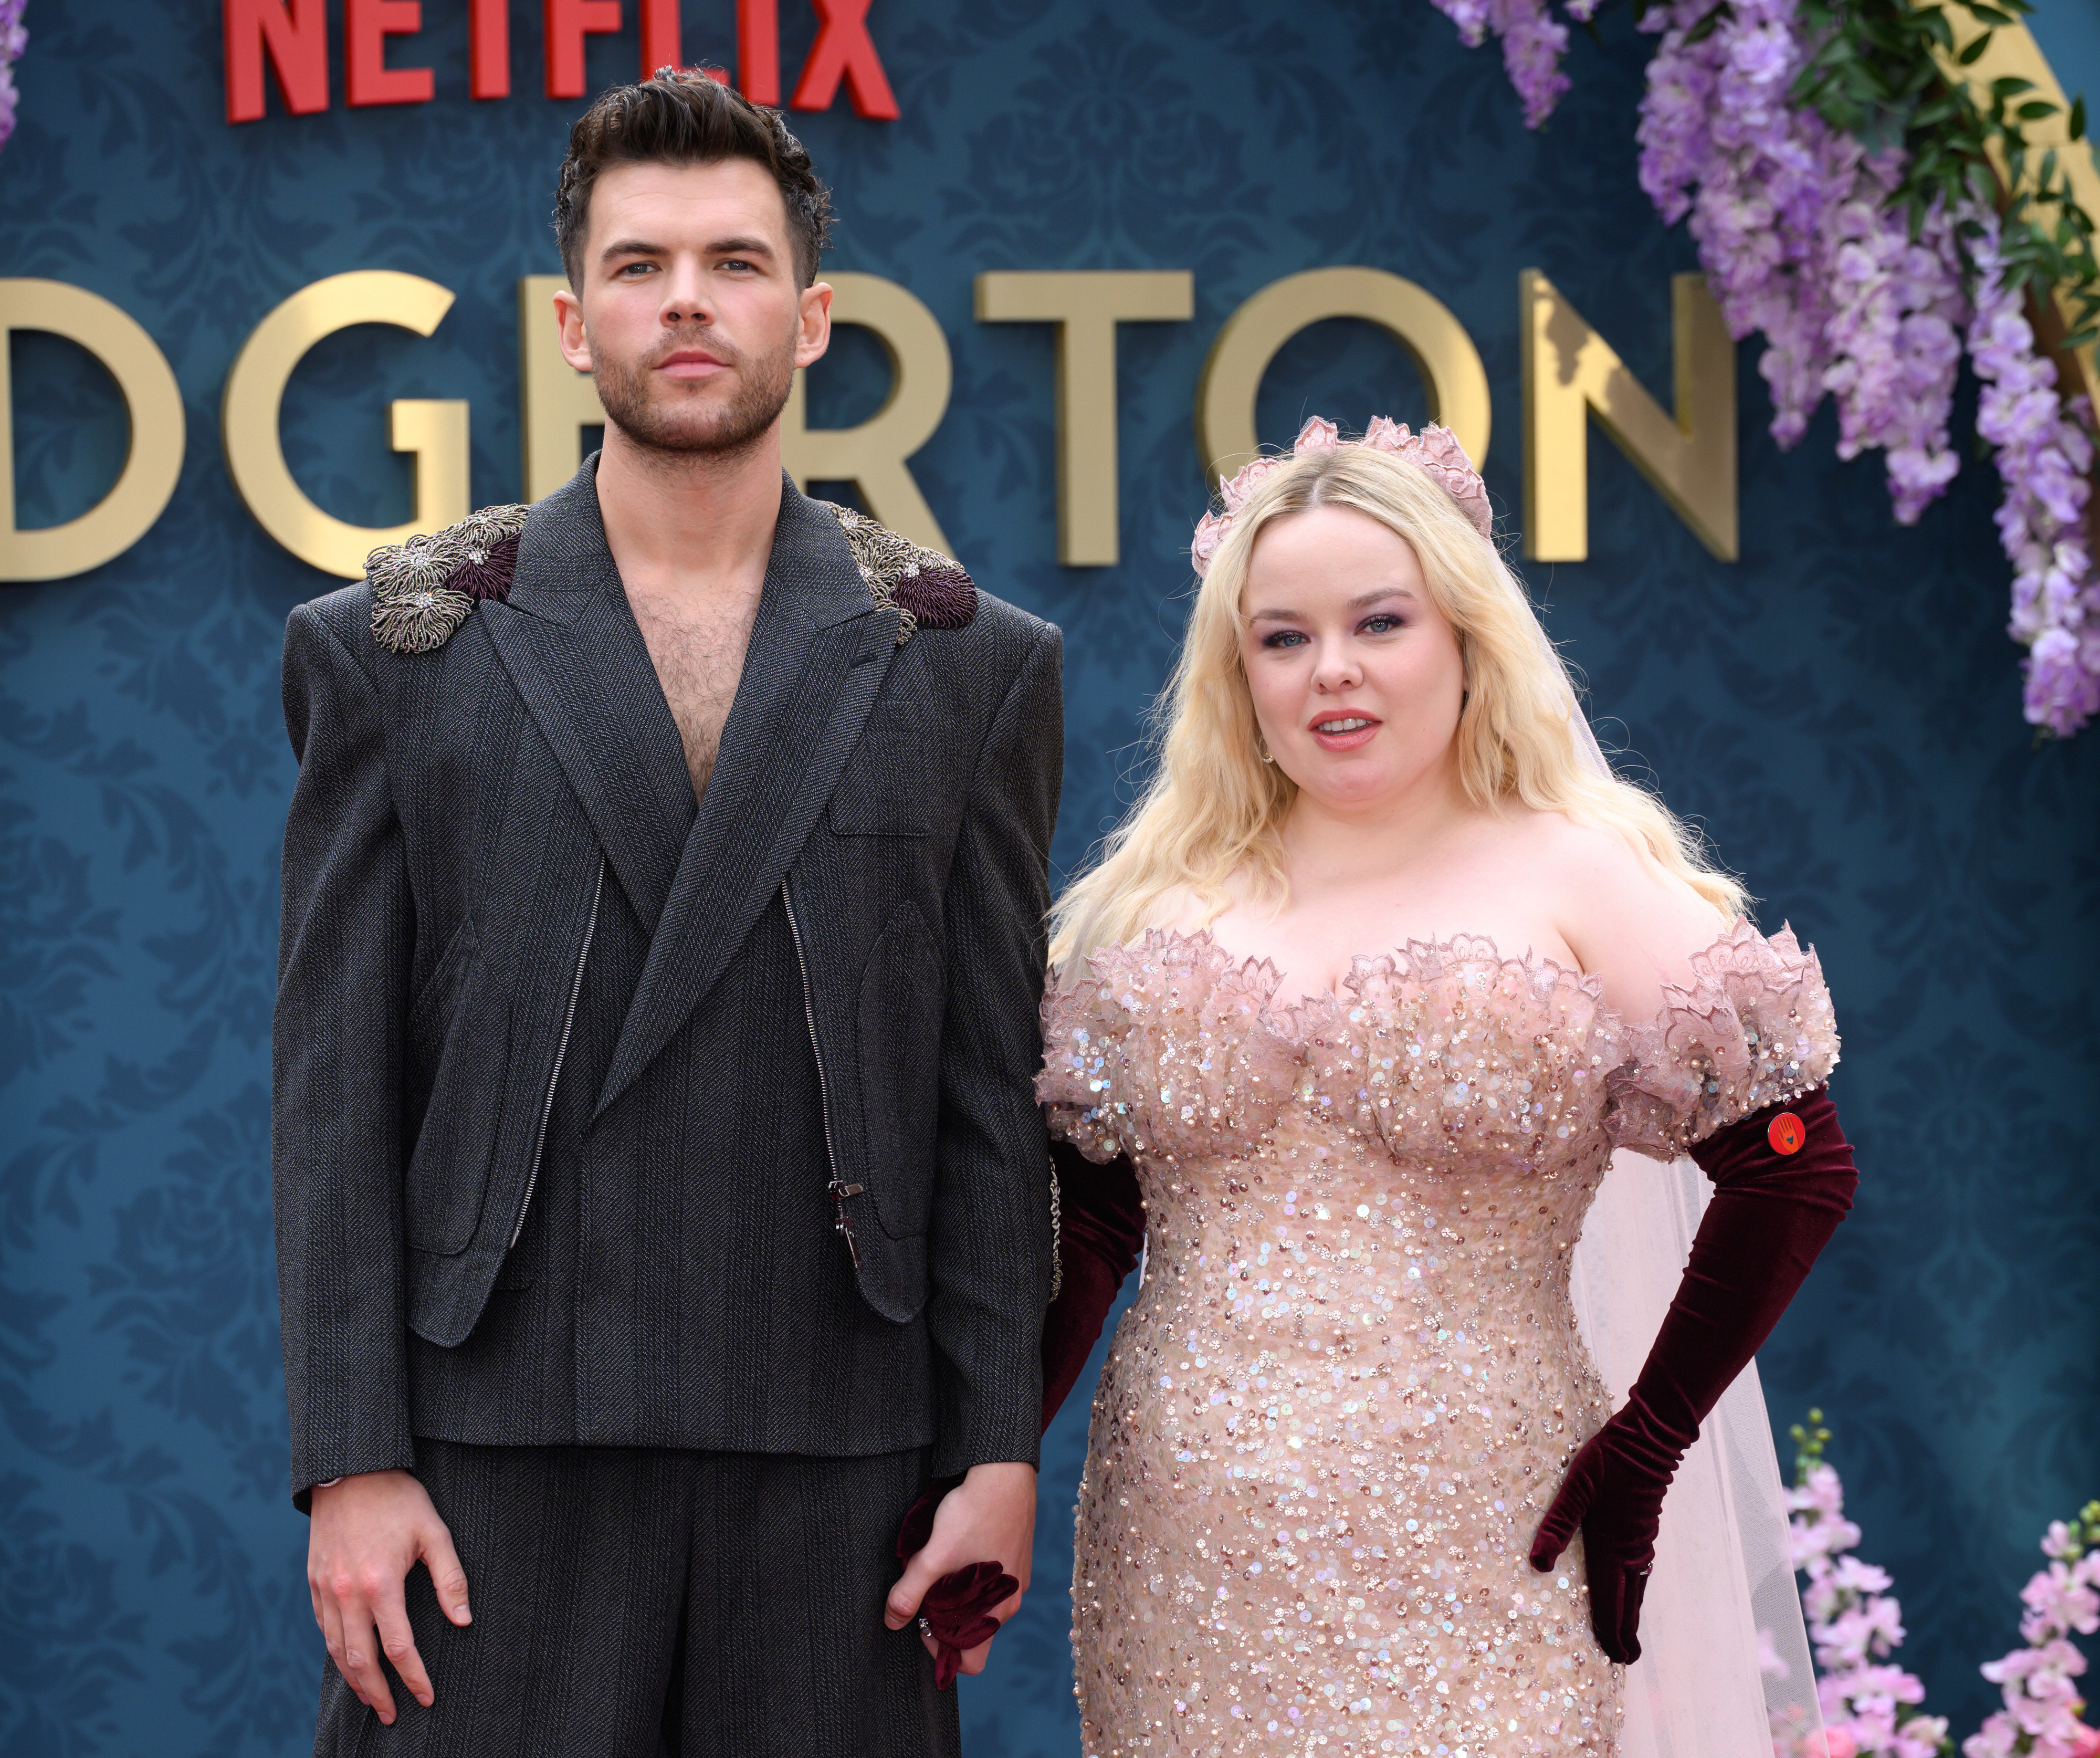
point(838, 1190)
point(561, 1055)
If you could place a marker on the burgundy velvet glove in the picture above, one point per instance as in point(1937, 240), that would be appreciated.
point(1772, 1211)
point(1100, 1232)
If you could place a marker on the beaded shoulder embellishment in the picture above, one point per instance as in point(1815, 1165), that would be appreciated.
point(423, 590)
point(929, 590)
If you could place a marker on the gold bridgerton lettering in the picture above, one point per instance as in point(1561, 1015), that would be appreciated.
point(1570, 372)
point(152, 463)
point(871, 455)
point(1451, 374)
point(1085, 305)
point(435, 430)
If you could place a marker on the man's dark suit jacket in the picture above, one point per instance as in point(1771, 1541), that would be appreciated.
point(573, 1077)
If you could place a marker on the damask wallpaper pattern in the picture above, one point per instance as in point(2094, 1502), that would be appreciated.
point(1840, 710)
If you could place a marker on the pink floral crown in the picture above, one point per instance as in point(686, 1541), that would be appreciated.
point(1436, 449)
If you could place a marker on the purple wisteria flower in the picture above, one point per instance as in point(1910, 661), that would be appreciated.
point(2043, 451)
point(1788, 214)
point(13, 40)
point(1533, 40)
point(1799, 243)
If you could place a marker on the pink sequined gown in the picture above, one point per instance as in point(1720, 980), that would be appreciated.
point(1351, 1379)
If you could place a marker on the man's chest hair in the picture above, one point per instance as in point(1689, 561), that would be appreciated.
point(698, 652)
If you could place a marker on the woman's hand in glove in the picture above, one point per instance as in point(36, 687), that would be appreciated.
point(1617, 1503)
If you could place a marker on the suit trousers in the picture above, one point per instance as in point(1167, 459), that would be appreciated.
point(651, 1603)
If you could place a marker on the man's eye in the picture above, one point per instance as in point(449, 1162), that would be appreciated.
point(737, 261)
point(1283, 638)
point(635, 268)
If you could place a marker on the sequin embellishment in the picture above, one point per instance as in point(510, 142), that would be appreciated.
point(1349, 1385)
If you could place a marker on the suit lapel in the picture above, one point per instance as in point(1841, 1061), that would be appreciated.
point(819, 650)
point(573, 648)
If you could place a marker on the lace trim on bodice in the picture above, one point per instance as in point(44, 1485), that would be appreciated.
point(1171, 1046)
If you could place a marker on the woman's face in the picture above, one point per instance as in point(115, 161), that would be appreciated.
point(1356, 674)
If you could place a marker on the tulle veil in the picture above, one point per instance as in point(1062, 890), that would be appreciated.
point(1723, 1645)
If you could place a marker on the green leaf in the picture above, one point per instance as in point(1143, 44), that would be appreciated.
point(1712, 22)
point(2078, 116)
point(2009, 86)
point(2035, 109)
point(1991, 14)
point(1978, 46)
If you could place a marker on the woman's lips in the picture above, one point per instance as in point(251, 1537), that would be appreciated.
point(1362, 729)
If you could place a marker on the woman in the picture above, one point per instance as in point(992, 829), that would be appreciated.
point(1363, 995)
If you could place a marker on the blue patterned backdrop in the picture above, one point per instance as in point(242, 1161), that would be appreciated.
point(1841, 709)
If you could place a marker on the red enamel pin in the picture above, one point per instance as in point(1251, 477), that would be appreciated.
point(1786, 1132)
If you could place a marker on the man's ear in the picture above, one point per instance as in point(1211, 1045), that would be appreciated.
point(575, 344)
point(812, 330)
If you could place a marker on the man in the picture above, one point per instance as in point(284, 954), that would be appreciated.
point(662, 1203)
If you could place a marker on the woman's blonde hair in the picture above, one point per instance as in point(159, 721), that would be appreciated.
point(1213, 807)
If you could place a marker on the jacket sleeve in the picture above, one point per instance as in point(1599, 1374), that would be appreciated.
point(343, 955)
point(989, 1252)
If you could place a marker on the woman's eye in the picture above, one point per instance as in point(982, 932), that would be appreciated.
point(1283, 638)
point(1382, 625)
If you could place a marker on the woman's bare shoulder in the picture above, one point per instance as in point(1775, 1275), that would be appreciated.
point(1631, 921)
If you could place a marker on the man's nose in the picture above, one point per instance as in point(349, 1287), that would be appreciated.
point(685, 297)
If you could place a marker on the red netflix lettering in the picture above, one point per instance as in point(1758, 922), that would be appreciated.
point(758, 50)
point(659, 35)
point(297, 41)
point(843, 47)
point(568, 22)
point(488, 51)
point(367, 79)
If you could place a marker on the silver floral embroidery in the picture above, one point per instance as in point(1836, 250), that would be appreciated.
point(416, 608)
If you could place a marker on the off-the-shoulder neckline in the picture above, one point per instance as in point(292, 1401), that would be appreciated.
point(1409, 960)
point(1408, 957)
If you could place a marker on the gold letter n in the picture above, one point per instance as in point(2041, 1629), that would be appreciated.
point(1570, 371)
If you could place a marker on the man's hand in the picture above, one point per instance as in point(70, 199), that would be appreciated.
point(989, 1517)
point(369, 1532)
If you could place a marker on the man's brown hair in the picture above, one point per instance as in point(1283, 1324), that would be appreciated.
point(686, 116)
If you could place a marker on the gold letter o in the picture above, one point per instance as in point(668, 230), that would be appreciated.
point(1443, 353)
point(147, 482)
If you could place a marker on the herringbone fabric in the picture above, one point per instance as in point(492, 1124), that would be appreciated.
point(638, 1603)
point(495, 870)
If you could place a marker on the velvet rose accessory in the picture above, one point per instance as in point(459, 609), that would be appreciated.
point(1435, 450)
point(956, 1612)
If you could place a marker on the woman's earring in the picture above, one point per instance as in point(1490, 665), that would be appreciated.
point(1261, 749)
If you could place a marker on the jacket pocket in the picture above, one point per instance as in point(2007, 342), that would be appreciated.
point(899, 1023)
point(854, 812)
point(456, 1135)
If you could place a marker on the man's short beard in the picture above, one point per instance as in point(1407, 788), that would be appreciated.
point(657, 419)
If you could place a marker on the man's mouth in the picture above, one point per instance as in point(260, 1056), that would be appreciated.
point(691, 363)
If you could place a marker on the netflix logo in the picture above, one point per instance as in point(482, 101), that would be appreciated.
point(289, 41)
